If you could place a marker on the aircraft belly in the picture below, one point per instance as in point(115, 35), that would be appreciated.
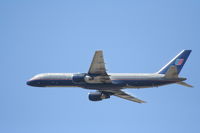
point(57, 83)
point(101, 86)
point(119, 84)
point(104, 86)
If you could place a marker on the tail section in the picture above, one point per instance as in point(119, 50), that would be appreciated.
point(171, 72)
point(184, 84)
point(176, 63)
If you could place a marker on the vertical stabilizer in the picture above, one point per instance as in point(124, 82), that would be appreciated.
point(171, 72)
point(178, 61)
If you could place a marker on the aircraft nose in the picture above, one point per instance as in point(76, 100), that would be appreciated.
point(35, 81)
point(29, 82)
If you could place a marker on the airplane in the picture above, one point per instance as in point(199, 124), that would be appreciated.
point(113, 84)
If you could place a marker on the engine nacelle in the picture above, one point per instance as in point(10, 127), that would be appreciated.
point(82, 78)
point(79, 78)
point(97, 96)
point(88, 78)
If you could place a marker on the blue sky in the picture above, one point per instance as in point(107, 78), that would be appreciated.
point(61, 36)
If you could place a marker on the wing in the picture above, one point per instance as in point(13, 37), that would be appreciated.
point(97, 66)
point(124, 95)
point(98, 69)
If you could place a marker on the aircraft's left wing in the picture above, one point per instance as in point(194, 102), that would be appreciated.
point(124, 95)
point(98, 68)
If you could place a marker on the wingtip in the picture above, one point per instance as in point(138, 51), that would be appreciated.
point(142, 102)
point(99, 51)
point(191, 86)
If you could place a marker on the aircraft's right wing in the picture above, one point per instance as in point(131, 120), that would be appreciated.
point(124, 95)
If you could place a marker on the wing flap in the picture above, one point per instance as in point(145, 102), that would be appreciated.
point(126, 96)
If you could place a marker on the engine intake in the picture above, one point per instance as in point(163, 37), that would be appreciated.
point(98, 96)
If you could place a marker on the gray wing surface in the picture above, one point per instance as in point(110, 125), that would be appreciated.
point(124, 95)
point(98, 68)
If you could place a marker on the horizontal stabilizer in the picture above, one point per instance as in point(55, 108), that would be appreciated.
point(184, 84)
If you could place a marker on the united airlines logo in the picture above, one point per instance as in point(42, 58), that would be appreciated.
point(179, 62)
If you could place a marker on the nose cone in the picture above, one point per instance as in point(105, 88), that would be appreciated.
point(33, 81)
point(36, 81)
point(30, 83)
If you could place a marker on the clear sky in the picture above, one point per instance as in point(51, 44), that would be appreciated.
point(41, 36)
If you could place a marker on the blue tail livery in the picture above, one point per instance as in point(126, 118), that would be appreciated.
point(177, 61)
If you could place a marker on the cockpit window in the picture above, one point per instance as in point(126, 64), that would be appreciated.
point(39, 76)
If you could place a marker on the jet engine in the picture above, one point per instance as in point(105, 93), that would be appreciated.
point(79, 78)
point(88, 78)
point(97, 96)
point(82, 78)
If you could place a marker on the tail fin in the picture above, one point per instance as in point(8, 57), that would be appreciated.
point(177, 61)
